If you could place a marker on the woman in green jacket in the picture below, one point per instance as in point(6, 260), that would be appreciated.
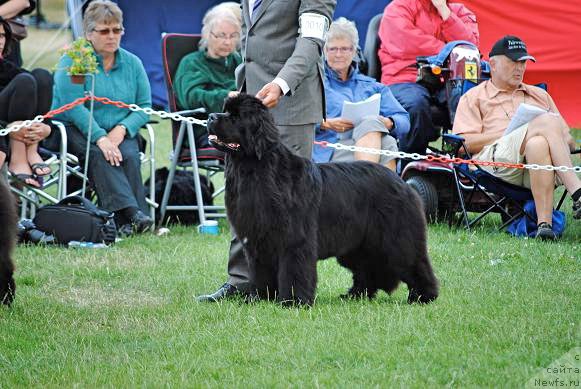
point(205, 78)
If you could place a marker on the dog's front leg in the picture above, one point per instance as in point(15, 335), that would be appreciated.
point(264, 279)
point(297, 278)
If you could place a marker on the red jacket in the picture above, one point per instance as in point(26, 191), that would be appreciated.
point(410, 28)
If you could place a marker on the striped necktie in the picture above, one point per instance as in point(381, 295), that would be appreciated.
point(255, 9)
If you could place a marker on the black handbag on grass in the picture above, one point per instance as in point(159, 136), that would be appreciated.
point(75, 218)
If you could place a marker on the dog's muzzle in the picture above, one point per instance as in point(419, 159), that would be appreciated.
point(213, 138)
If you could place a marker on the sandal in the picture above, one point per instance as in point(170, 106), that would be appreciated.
point(22, 177)
point(41, 166)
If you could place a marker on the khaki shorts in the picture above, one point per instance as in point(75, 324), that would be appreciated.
point(507, 149)
point(388, 142)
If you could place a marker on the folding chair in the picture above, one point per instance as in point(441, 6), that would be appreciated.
point(480, 191)
point(372, 43)
point(174, 47)
point(373, 68)
point(62, 164)
point(447, 188)
point(147, 158)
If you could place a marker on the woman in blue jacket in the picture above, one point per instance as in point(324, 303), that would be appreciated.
point(344, 82)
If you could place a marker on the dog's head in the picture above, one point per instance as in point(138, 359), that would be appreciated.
point(246, 127)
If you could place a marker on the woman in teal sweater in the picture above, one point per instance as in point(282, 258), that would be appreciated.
point(206, 77)
point(114, 163)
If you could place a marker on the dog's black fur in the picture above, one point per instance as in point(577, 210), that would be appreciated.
point(7, 241)
point(288, 212)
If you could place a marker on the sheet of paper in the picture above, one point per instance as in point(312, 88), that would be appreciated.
point(524, 114)
point(357, 111)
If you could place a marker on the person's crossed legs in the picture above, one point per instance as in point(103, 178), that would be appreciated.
point(548, 142)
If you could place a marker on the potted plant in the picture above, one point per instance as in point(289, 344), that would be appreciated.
point(84, 60)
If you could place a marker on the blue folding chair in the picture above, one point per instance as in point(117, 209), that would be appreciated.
point(480, 191)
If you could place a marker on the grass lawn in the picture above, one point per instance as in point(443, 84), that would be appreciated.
point(126, 316)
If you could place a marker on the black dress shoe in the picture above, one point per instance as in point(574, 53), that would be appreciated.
point(225, 291)
point(141, 222)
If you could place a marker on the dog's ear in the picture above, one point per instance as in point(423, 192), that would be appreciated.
point(265, 137)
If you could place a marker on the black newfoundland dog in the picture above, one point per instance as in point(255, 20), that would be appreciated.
point(7, 241)
point(288, 212)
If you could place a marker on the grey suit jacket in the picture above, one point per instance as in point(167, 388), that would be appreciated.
point(272, 47)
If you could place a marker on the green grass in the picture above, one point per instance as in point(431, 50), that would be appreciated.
point(126, 316)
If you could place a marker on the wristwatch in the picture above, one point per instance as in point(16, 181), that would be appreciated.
point(122, 125)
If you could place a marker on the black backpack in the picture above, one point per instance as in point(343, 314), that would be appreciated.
point(75, 218)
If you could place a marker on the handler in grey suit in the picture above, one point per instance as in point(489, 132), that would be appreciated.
point(283, 67)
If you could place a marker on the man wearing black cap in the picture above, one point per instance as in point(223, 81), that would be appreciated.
point(482, 118)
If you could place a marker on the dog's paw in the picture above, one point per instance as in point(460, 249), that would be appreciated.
point(296, 303)
point(358, 294)
point(7, 293)
point(421, 298)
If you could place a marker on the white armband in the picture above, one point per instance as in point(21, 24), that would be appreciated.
point(313, 25)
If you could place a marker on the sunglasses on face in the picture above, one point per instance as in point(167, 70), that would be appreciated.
point(107, 31)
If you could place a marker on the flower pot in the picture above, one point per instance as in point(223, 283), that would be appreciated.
point(77, 79)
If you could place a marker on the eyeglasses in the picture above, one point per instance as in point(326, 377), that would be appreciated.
point(2, 35)
point(224, 37)
point(343, 50)
point(107, 31)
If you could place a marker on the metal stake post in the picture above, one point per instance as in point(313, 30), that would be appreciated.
point(89, 132)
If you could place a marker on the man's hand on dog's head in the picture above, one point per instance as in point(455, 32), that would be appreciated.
point(270, 94)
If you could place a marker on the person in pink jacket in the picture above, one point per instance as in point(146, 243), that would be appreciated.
point(412, 28)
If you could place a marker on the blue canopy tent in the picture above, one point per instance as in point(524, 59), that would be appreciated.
point(145, 21)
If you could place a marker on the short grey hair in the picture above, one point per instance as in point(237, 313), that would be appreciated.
point(343, 29)
point(232, 6)
point(217, 14)
point(101, 11)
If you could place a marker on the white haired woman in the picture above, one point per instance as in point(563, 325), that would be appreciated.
point(114, 163)
point(206, 77)
point(344, 82)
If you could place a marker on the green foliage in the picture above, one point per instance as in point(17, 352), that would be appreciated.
point(82, 54)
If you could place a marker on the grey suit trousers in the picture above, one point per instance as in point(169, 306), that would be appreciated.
point(299, 139)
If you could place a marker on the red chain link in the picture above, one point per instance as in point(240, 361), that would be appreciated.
point(459, 161)
point(66, 107)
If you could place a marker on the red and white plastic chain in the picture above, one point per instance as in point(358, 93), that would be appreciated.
point(104, 100)
point(445, 159)
point(177, 117)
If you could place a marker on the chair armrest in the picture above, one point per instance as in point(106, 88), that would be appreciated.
point(452, 143)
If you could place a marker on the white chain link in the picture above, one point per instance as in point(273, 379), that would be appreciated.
point(534, 166)
point(416, 157)
point(24, 124)
point(396, 154)
point(165, 115)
